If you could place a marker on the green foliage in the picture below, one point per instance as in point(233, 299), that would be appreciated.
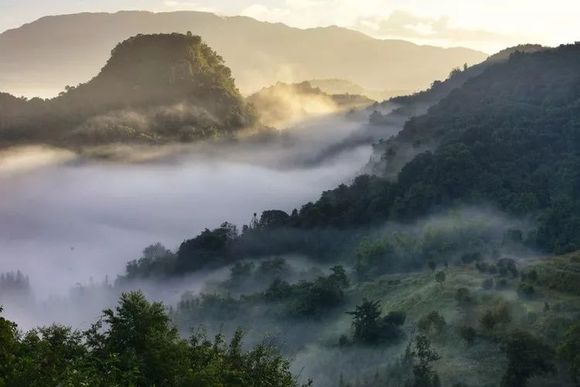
point(499, 314)
point(440, 277)
point(496, 139)
point(463, 296)
point(432, 324)
point(156, 261)
point(208, 249)
point(372, 329)
point(9, 343)
point(134, 345)
point(468, 334)
point(424, 355)
point(527, 357)
point(487, 284)
point(569, 351)
point(373, 257)
point(310, 298)
point(154, 88)
point(526, 290)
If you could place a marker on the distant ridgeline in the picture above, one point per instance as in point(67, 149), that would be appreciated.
point(508, 137)
point(154, 88)
point(283, 104)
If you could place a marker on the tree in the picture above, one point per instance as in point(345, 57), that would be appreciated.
point(370, 328)
point(52, 356)
point(432, 265)
point(463, 296)
point(527, 357)
point(569, 351)
point(8, 347)
point(424, 355)
point(468, 334)
point(137, 342)
point(432, 323)
point(440, 277)
point(134, 345)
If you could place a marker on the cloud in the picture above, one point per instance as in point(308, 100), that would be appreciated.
point(261, 12)
point(402, 24)
point(188, 5)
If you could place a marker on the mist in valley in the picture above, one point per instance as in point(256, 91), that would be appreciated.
point(69, 219)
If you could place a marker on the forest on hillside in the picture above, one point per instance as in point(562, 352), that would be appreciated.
point(450, 260)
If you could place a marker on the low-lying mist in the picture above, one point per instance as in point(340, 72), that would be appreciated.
point(69, 218)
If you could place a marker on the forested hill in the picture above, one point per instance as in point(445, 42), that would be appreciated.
point(55, 51)
point(153, 88)
point(509, 138)
point(391, 154)
point(285, 104)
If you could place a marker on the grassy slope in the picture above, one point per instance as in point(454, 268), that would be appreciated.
point(419, 294)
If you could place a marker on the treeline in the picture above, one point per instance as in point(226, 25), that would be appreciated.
point(134, 345)
point(508, 137)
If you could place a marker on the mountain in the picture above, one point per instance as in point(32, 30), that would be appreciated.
point(508, 137)
point(42, 57)
point(342, 86)
point(162, 87)
point(283, 105)
point(391, 154)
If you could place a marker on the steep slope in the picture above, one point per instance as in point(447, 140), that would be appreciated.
point(154, 87)
point(44, 56)
point(508, 137)
point(391, 154)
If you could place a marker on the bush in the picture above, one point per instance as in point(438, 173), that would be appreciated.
point(463, 296)
point(372, 329)
point(471, 257)
point(526, 290)
point(482, 267)
point(527, 357)
point(432, 323)
point(487, 284)
point(500, 314)
point(501, 284)
point(468, 334)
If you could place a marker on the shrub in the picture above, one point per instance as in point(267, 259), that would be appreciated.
point(526, 290)
point(468, 334)
point(463, 296)
point(487, 284)
point(432, 323)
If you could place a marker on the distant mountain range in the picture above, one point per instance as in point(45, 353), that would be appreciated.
point(42, 57)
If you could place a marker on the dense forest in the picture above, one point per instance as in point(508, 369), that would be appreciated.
point(154, 88)
point(134, 344)
point(496, 140)
point(430, 271)
point(447, 270)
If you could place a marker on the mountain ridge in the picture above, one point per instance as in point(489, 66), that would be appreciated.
point(44, 55)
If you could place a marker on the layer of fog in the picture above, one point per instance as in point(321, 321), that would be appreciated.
point(69, 219)
point(312, 342)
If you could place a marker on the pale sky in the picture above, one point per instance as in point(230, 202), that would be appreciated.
point(488, 25)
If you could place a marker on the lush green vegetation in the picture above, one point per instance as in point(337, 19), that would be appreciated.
point(154, 88)
point(522, 158)
point(133, 345)
point(507, 137)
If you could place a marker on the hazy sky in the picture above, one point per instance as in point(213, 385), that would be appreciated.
point(485, 24)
